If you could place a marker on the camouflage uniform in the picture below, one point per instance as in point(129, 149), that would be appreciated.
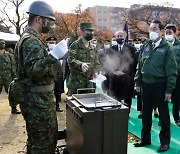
point(7, 70)
point(79, 54)
point(39, 108)
point(7, 73)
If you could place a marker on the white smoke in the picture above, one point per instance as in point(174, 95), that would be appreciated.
point(113, 61)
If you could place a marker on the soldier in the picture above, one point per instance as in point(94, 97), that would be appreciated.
point(7, 73)
point(34, 69)
point(82, 60)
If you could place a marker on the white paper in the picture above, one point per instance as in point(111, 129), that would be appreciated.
point(59, 50)
point(99, 79)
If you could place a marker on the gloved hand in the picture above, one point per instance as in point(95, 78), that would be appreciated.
point(59, 50)
point(51, 46)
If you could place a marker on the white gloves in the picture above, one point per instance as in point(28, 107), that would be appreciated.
point(59, 50)
point(51, 46)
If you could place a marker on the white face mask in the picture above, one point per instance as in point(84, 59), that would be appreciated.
point(114, 43)
point(106, 46)
point(169, 37)
point(153, 36)
point(137, 46)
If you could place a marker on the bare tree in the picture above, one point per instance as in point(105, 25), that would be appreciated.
point(140, 16)
point(18, 20)
point(4, 28)
point(119, 15)
point(67, 25)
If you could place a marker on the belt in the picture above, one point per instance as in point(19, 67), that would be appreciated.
point(44, 88)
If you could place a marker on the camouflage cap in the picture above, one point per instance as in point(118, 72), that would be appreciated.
point(51, 38)
point(86, 25)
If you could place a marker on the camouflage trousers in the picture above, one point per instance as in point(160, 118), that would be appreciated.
point(6, 84)
point(41, 123)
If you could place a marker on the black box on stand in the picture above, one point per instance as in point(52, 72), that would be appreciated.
point(96, 124)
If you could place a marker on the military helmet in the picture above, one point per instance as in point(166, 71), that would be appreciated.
point(41, 8)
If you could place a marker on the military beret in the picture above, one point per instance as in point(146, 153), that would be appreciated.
point(86, 25)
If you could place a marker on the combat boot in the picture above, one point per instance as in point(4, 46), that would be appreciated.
point(15, 111)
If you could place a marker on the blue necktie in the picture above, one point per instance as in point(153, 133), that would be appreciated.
point(120, 49)
point(153, 46)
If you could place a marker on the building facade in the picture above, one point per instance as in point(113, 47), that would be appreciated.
point(109, 18)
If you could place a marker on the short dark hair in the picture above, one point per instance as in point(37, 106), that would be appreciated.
point(171, 27)
point(31, 19)
point(107, 41)
point(156, 21)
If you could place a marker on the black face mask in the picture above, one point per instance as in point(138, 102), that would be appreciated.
point(89, 36)
point(120, 40)
point(2, 46)
point(46, 26)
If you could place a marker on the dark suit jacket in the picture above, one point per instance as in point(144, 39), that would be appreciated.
point(121, 87)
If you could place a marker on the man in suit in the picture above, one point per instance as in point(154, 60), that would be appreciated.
point(156, 74)
point(120, 77)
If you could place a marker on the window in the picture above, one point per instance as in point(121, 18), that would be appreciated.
point(102, 19)
point(101, 12)
point(102, 27)
point(114, 20)
point(114, 13)
point(114, 28)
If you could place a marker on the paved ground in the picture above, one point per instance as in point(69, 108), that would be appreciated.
point(12, 128)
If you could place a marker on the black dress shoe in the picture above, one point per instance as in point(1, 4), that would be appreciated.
point(59, 110)
point(140, 116)
point(163, 148)
point(15, 111)
point(177, 122)
point(156, 115)
point(141, 144)
point(159, 123)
